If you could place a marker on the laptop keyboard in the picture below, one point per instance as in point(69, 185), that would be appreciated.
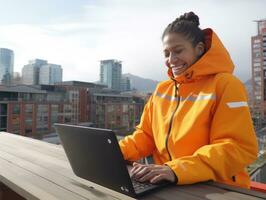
point(138, 186)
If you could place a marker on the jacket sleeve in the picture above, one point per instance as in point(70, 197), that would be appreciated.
point(141, 143)
point(233, 143)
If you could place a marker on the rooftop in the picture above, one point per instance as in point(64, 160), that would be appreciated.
point(21, 89)
point(81, 83)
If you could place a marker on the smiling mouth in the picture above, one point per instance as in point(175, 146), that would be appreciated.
point(179, 67)
point(177, 70)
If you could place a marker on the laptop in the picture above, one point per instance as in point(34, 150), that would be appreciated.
point(94, 154)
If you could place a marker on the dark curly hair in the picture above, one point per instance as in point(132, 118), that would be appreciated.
point(188, 26)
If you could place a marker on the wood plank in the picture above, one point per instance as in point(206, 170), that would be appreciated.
point(36, 157)
point(30, 186)
point(206, 192)
point(37, 145)
point(67, 180)
point(54, 178)
point(237, 189)
point(232, 194)
point(242, 196)
point(200, 192)
point(28, 140)
point(55, 160)
point(170, 193)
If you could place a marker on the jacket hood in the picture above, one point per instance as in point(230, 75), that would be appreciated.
point(215, 60)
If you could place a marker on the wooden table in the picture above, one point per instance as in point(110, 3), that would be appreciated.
point(39, 170)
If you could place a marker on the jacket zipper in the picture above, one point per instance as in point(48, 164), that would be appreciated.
point(171, 121)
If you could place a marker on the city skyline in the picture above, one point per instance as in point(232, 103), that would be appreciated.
point(82, 33)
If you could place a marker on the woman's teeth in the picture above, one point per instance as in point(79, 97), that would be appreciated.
point(178, 67)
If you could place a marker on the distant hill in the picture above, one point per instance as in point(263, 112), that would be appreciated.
point(141, 84)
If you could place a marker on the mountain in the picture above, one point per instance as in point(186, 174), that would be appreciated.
point(141, 84)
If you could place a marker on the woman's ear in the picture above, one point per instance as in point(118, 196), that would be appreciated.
point(200, 48)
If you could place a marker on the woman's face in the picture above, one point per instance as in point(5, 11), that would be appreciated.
point(179, 53)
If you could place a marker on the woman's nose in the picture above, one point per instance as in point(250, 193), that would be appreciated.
point(172, 58)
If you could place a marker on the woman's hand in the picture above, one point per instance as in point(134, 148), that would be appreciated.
point(152, 173)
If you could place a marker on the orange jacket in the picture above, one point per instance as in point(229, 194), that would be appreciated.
point(198, 123)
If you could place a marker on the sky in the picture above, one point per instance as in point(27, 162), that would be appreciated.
point(77, 34)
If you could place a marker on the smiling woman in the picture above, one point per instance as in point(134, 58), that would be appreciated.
point(183, 43)
point(197, 124)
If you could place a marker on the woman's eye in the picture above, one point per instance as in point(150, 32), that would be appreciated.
point(166, 54)
point(178, 51)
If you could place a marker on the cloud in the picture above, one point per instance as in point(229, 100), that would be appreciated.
point(29, 42)
point(129, 31)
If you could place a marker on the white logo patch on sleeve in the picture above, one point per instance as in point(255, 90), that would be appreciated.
point(237, 104)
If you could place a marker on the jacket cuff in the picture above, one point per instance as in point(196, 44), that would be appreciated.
point(182, 174)
point(176, 179)
point(188, 171)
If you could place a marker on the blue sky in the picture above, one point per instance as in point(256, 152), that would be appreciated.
point(78, 33)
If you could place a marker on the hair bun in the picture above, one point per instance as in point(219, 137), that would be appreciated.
point(191, 17)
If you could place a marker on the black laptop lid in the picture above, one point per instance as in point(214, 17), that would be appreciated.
point(94, 154)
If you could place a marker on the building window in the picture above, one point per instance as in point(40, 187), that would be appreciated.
point(256, 64)
point(256, 74)
point(257, 55)
point(42, 119)
point(16, 109)
point(28, 122)
point(3, 123)
point(28, 108)
point(3, 109)
point(125, 108)
point(256, 50)
point(257, 45)
point(54, 113)
point(3, 117)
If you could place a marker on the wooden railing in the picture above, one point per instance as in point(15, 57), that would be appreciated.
point(34, 169)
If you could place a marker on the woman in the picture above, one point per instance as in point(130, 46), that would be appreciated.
point(197, 124)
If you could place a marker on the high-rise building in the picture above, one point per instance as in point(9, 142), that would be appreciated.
point(50, 74)
point(40, 72)
point(110, 73)
point(125, 84)
point(30, 72)
point(6, 65)
point(258, 47)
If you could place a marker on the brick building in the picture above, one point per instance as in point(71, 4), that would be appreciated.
point(32, 110)
point(258, 98)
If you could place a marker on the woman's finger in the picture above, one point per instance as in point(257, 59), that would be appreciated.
point(142, 172)
point(152, 173)
point(158, 178)
point(135, 166)
point(135, 170)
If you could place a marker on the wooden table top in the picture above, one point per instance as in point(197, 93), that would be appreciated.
point(38, 170)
